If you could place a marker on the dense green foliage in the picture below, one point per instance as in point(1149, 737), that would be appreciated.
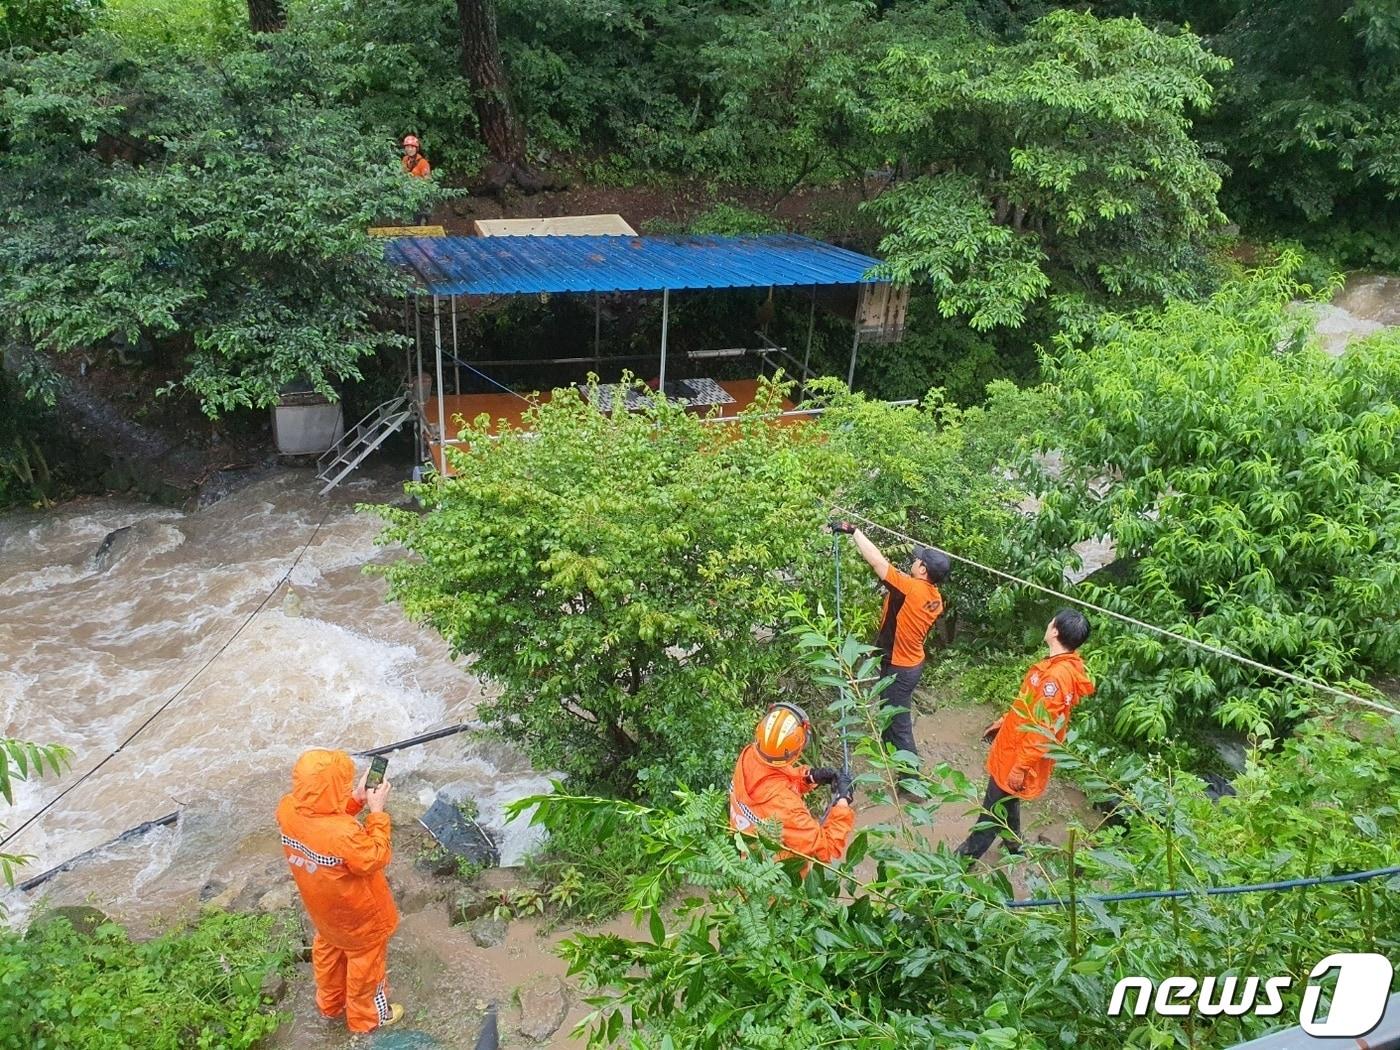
point(196, 987)
point(1308, 115)
point(215, 204)
point(621, 578)
point(1073, 142)
point(1255, 490)
point(924, 953)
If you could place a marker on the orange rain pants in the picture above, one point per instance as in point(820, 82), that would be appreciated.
point(338, 866)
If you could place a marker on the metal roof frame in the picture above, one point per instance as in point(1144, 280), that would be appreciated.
point(525, 265)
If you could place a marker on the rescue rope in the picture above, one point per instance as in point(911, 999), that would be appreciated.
point(1279, 672)
point(178, 692)
point(845, 731)
point(1209, 891)
point(489, 379)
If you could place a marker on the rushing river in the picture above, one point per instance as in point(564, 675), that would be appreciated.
point(91, 647)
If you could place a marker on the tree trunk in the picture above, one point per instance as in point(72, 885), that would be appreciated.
point(267, 16)
point(481, 63)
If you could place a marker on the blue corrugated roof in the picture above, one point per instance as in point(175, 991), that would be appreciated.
point(520, 265)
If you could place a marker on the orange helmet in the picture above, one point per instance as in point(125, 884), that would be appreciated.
point(410, 140)
point(782, 734)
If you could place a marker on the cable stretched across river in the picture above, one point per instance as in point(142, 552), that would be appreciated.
point(1279, 672)
point(178, 692)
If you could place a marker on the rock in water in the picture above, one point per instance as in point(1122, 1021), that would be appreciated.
point(114, 545)
point(544, 1003)
point(488, 931)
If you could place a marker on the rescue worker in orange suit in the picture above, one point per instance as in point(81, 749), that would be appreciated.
point(338, 865)
point(415, 164)
point(1018, 765)
point(912, 606)
point(413, 160)
point(769, 784)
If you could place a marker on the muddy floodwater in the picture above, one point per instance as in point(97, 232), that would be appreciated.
point(93, 645)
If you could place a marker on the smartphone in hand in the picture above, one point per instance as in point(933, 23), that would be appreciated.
point(376, 772)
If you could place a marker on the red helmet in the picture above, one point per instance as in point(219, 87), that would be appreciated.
point(410, 140)
point(782, 734)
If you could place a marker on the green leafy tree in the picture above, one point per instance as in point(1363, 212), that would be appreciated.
point(1252, 485)
point(1067, 151)
point(612, 575)
point(1309, 116)
point(214, 205)
point(621, 578)
point(42, 23)
point(395, 65)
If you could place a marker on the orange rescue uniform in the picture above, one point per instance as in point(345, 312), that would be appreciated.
point(760, 791)
point(417, 166)
point(338, 866)
point(1048, 695)
point(911, 608)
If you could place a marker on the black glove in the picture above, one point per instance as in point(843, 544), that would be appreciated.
point(822, 775)
point(842, 526)
point(843, 788)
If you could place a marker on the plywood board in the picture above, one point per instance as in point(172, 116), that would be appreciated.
point(407, 231)
point(557, 226)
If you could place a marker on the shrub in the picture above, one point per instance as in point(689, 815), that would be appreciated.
point(1251, 482)
point(195, 987)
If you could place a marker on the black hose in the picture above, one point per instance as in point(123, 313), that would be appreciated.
point(1210, 891)
point(414, 741)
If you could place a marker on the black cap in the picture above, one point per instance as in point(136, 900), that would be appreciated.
point(935, 561)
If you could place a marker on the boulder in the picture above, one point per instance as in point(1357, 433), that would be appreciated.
point(273, 988)
point(488, 931)
point(436, 862)
point(544, 1003)
point(116, 544)
point(470, 904)
point(414, 890)
point(279, 898)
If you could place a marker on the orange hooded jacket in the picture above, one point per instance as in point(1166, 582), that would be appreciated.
point(337, 864)
point(1050, 689)
point(763, 792)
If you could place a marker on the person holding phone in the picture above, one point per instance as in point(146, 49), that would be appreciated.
point(338, 866)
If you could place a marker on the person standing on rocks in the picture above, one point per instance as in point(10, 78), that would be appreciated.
point(1018, 765)
point(912, 607)
point(338, 866)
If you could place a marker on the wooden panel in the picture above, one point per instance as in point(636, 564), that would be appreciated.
point(882, 309)
point(556, 226)
point(407, 231)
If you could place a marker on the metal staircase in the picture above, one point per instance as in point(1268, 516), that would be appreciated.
point(369, 433)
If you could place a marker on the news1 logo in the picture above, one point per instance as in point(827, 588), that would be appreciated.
point(1358, 999)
